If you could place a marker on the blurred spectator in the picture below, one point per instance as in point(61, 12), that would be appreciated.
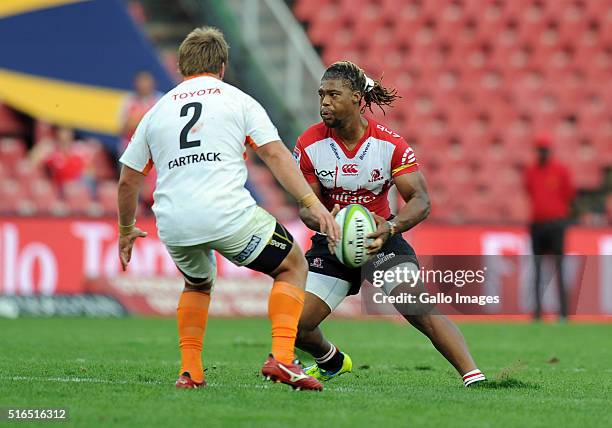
point(134, 108)
point(550, 191)
point(65, 161)
point(136, 105)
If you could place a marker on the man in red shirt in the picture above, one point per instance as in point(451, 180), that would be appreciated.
point(62, 157)
point(550, 190)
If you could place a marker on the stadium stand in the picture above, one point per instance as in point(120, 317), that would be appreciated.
point(478, 80)
point(30, 185)
point(166, 25)
point(39, 181)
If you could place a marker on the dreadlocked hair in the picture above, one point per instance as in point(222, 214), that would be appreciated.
point(356, 80)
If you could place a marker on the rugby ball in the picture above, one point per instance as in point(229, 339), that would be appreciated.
point(355, 222)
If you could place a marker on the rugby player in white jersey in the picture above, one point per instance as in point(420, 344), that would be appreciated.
point(348, 158)
point(195, 136)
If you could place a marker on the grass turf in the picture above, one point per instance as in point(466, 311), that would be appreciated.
point(120, 372)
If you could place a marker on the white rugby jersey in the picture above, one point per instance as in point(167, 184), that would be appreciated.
point(195, 136)
point(362, 175)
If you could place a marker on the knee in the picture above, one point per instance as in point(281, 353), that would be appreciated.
point(295, 265)
point(300, 265)
point(204, 287)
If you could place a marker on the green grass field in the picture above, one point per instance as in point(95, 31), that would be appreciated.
point(120, 372)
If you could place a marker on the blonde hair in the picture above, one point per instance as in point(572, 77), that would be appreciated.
point(204, 50)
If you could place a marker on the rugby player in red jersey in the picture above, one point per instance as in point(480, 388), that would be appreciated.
point(350, 159)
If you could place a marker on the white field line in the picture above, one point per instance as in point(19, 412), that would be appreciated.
point(80, 380)
point(266, 385)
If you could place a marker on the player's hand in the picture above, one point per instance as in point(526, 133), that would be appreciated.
point(327, 223)
point(332, 245)
point(126, 243)
point(379, 236)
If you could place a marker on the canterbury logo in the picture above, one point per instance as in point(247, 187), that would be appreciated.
point(294, 376)
point(350, 168)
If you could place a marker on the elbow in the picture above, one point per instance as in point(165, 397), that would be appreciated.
point(123, 185)
point(272, 158)
point(126, 187)
point(272, 153)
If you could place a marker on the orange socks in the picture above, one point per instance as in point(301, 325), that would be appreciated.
point(284, 309)
point(192, 314)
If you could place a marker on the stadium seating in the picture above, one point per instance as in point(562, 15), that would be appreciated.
point(26, 189)
point(45, 198)
point(12, 150)
point(478, 78)
point(107, 197)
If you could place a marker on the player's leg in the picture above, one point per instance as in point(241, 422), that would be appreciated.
point(266, 246)
point(441, 331)
point(310, 337)
point(448, 340)
point(327, 286)
point(286, 302)
point(199, 270)
point(323, 294)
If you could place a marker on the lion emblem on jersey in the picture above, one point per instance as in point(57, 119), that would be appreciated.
point(375, 175)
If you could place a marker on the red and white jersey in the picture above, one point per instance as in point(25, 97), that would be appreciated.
point(362, 175)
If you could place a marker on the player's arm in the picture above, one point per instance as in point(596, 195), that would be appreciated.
point(413, 190)
point(276, 156)
point(307, 169)
point(411, 186)
point(137, 163)
point(130, 183)
point(305, 216)
point(310, 221)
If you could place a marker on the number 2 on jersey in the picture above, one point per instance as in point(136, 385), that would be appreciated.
point(185, 132)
